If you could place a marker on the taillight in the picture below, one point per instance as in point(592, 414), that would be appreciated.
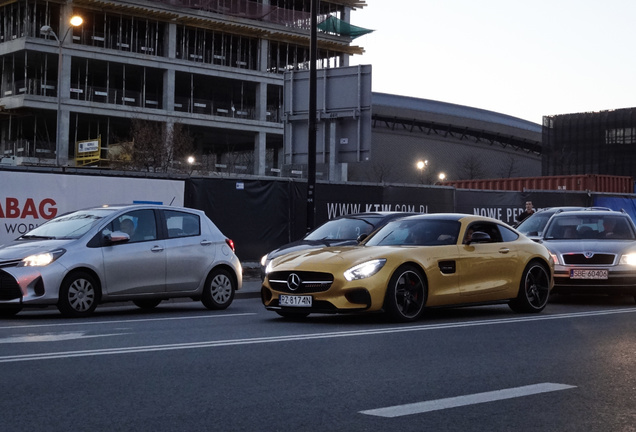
point(230, 243)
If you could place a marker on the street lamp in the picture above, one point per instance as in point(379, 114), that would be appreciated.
point(61, 152)
point(441, 176)
point(421, 166)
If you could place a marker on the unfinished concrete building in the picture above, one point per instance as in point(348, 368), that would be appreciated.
point(207, 74)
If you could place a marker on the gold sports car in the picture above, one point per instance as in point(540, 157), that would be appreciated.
point(413, 263)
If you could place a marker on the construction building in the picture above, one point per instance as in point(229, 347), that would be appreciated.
point(169, 78)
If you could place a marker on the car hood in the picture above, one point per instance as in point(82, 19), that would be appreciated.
point(302, 245)
point(597, 246)
point(330, 258)
point(18, 249)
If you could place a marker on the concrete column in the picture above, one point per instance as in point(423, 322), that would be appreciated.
point(333, 175)
point(260, 150)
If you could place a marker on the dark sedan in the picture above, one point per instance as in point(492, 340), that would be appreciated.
point(341, 231)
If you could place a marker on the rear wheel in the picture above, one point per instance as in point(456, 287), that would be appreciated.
point(147, 303)
point(406, 294)
point(78, 295)
point(219, 289)
point(534, 289)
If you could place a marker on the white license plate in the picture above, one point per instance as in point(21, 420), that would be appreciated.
point(588, 274)
point(295, 301)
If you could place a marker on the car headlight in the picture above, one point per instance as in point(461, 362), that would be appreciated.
point(364, 270)
point(555, 257)
point(43, 259)
point(268, 267)
point(629, 259)
point(264, 260)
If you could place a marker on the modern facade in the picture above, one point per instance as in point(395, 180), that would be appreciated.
point(590, 143)
point(205, 72)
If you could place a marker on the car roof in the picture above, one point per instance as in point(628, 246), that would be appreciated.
point(592, 212)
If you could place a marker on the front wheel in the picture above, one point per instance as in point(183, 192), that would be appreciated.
point(219, 289)
point(534, 289)
point(406, 294)
point(78, 295)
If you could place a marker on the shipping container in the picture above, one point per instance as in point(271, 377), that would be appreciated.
point(586, 182)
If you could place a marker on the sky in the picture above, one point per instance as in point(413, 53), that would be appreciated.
point(527, 59)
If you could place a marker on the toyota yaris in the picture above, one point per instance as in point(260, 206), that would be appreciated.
point(143, 253)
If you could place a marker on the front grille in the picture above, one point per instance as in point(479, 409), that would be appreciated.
point(303, 282)
point(9, 288)
point(595, 259)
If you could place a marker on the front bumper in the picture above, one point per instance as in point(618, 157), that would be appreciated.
point(618, 282)
point(37, 286)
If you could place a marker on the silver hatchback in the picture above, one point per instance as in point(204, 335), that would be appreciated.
point(139, 253)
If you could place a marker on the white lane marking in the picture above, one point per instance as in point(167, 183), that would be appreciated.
point(103, 323)
point(300, 337)
point(53, 337)
point(454, 402)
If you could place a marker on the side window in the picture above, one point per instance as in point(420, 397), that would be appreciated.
point(488, 228)
point(140, 225)
point(181, 224)
point(507, 235)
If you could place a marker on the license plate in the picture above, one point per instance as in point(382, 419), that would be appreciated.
point(588, 274)
point(295, 301)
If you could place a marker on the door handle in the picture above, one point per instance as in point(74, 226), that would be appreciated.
point(504, 250)
point(157, 249)
point(206, 242)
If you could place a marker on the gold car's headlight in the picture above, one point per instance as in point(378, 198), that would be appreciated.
point(364, 270)
point(629, 259)
point(42, 259)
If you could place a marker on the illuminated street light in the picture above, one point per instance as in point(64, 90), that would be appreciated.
point(421, 166)
point(441, 176)
point(61, 152)
point(191, 160)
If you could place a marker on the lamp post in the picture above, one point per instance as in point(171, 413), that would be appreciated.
point(421, 166)
point(46, 30)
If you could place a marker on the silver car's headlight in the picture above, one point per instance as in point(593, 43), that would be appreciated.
point(555, 257)
point(264, 261)
point(364, 270)
point(42, 259)
point(629, 259)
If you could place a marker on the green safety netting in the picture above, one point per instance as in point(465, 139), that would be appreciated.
point(342, 28)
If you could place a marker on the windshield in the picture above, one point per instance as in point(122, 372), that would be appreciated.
point(570, 227)
point(68, 226)
point(534, 224)
point(416, 232)
point(342, 229)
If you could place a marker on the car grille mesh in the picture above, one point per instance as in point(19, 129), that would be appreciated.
point(306, 282)
point(595, 259)
point(9, 288)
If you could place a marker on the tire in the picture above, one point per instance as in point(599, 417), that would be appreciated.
point(406, 294)
point(219, 290)
point(147, 303)
point(79, 295)
point(9, 311)
point(534, 289)
point(294, 316)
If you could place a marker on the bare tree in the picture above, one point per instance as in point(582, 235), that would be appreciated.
point(155, 147)
point(380, 172)
point(471, 168)
point(508, 170)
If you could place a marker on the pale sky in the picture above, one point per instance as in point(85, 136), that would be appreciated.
point(524, 58)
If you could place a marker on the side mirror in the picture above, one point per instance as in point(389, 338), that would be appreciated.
point(480, 237)
point(117, 237)
point(362, 237)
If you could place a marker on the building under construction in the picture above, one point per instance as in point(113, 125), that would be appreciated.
point(590, 143)
point(158, 80)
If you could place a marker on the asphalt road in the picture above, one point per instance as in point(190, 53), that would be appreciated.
point(183, 368)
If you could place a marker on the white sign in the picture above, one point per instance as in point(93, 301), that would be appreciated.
point(87, 146)
point(29, 199)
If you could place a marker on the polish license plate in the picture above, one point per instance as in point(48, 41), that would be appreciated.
point(588, 274)
point(295, 301)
